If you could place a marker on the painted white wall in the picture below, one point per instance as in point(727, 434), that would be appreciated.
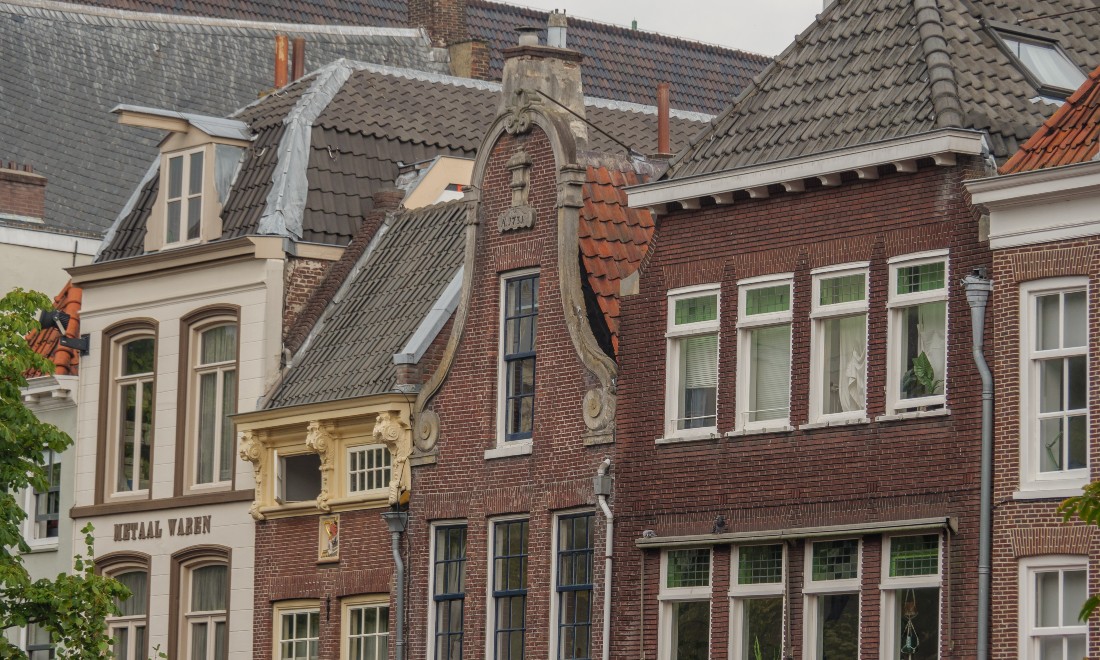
point(37, 259)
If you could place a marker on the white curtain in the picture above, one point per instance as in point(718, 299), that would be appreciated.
point(770, 373)
point(208, 586)
point(853, 361)
point(931, 335)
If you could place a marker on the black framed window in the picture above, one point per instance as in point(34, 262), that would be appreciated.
point(509, 588)
point(449, 590)
point(521, 309)
point(574, 587)
point(47, 503)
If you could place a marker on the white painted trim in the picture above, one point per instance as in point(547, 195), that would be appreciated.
point(930, 255)
point(760, 279)
point(819, 314)
point(738, 594)
point(951, 140)
point(512, 448)
point(836, 268)
point(1026, 610)
point(44, 239)
point(673, 334)
point(745, 326)
point(1050, 494)
point(432, 323)
point(996, 192)
point(895, 304)
point(504, 446)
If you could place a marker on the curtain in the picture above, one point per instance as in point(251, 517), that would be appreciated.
point(208, 586)
point(769, 373)
point(208, 410)
point(219, 344)
point(698, 380)
point(137, 582)
point(931, 335)
point(853, 357)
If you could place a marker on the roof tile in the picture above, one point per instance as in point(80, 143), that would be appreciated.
point(1068, 137)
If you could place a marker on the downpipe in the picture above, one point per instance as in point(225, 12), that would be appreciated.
point(601, 483)
point(397, 521)
point(978, 287)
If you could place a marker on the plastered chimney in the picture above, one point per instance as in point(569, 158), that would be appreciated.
point(546, 71)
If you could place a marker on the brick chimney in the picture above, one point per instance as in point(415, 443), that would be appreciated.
point(445, 20)
point(22, 194)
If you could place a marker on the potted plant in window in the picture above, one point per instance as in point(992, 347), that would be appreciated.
point(920, 380)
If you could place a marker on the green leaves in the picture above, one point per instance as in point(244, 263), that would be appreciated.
point(1085, 507)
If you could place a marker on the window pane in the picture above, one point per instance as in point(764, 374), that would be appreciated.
point(1075, 647)
point(691, 630)
point(1077, 375)
point(925, 277)
point(688, 568)
point(145, 449)
point(760, 564)
point(838, 626)
point(698, 381)
point(137, 357)
point(916, 624)
point(1046, 63)
point(1050, 385)
point(924, 349)
point(835, 560)
point(229, 406)
point(847, 288)
point(696, 310)
point(194, 217)
point(219, 344)
point(173, 233)
point(1051, 445)
point(914, 555)
point(1050, 648)
point(127, 429)
point(137, 582)
point(194, 181)
point(1074, 593)
point(1076, 325)
point(208, 411)
point(762, 629)
point(1077, 446)
point(208, 587)
point(767, 299)
point(175, 177)
point(769, 373)
point(221, 649)
point(198, 641)
point(845, 345)
point(1048, 320)
point(1048, 601)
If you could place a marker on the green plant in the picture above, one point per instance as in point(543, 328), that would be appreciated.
point(1085, 507)
point(920, 379)
point(758, 654)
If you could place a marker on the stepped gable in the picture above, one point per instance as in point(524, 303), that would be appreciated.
point(1070, 136)
point(861, 73)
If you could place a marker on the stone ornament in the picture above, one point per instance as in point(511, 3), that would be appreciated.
point(251, 450)
point(520, 215)
point(519, 112)
point(392, 432)
point(427, 431)
point(320, 437)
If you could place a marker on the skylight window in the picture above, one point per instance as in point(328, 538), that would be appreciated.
point(1041, 59)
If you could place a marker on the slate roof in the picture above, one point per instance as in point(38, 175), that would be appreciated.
point(381, 117)
point(46, 341)
point(65, 67)
point(413, 258)
point(860, 74)
point(620, 63)
point(1071, 135)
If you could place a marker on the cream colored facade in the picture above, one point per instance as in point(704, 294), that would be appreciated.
point(431, 185)
point(37, 259)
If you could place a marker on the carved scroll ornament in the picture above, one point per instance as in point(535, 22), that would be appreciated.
point(394, 433)
point(320, 437)
point(252, 450)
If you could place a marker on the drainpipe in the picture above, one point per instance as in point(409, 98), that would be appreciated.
point(397, 521)
point(601, 483)
point(978, 287)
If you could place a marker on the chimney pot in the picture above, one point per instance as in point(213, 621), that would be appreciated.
point(556, 29)
point(298, 61)
point(281, 48)
point(663, 146)
point(529, 35)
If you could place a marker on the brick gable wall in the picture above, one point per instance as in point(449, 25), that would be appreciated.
point(877, 471)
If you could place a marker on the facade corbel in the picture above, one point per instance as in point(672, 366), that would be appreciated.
point(321, 438)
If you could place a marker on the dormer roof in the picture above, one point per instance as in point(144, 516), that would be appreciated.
point(172, 120)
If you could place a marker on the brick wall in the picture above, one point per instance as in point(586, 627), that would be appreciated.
point(1024, 528)
point(557, 475)
point(445, 20)
point(302, 277)
point(876, 471)
point(287, 569)
point(22, 192)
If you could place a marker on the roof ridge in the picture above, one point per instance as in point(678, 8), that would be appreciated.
point(937, 58)
point(93, 15)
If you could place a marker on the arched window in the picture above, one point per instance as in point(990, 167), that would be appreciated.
point(199, 603)
point(126, 405)
point(128, 629)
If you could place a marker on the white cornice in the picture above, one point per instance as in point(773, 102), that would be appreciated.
point(1025, 188)
point(942, 145)
point(44, 239)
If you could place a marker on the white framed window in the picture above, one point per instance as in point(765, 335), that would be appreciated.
point(831, 610)
point(131, 413)
point(182, 185)
point(1040, 58)
point(38, 643)
point(366, 627)
point(917, 343)
point(911, 597)
point(297, 477)
point(838, 355)
point(507, 624)
point(1054, 383)
point(297, 630)
point(1053, 588)
point(128, 628)
point(368, 468)
point(205, 595)
point(44, 507)
point(764, 352)
point(519, 310)
point(214, 400)
point(691, 399)
point(758, 598)
point(447, 599)
point(685, 604)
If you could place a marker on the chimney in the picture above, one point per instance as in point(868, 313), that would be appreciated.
point(22, 194)
point(445, 20)
point(663, 147)
point(470, 59)
point(298, 61)
point(550, 72)
point(281, 48)
point(555, 29)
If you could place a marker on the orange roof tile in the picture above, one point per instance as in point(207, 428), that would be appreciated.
point(614, 238)
point(1068, 137)
point(46, 342)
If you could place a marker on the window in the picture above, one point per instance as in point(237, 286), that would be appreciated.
point(298, 478)
point(1055, 393)
point(757, 597)
point(204, 619)
point(47, 503)
point(183, 198)
point(691, 401)
point(1040, 59)
point(128, 628)
point(448, 590)
point(831, 626)
point(509, 615)
point(215, 385)
point(918, 333)
point(39, 644)
point(133, 408)
point(573, 586)
point(520, 312)
point(838, 382)
point(297, 632)
point(764, 363)
point(367, 628)
point(368, 468)
point(1055, 588)
point(911, 597)
point(685, 604)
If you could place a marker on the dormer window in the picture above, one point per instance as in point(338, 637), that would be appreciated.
point(1041, 60)
point(183, 197)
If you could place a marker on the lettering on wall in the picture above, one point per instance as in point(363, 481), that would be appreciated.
point(153, 529)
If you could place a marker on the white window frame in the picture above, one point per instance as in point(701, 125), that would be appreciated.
point(32, 531)
point(25, 642)
point(1029, 566)
point(198, 369)
point(279, 483)
point(819, 314)
point(1066, 482)
point(896, 303)
point(490, 578)
point(745, 325)
point(350, 603)
point(114, 424)
point(521, 446)
point(666, 596)
point(812, 589)
point(211, 618)
point(890, 587)
point(284, 608)
point(739, 593)
point(185, 195)
point(432, 630)
point(673, 334)
point(349, 474)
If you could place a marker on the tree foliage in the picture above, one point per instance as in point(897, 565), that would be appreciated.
point(1085, 506)
point(72, 607)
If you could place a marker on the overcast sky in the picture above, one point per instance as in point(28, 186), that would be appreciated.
point(759, 26)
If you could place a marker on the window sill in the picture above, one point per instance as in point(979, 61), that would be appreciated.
point(694, 437)
point(513, 448)
point(785, 428)
point(834, 422)
point(1062, 493)
point(915, 414)
point(49, 545)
